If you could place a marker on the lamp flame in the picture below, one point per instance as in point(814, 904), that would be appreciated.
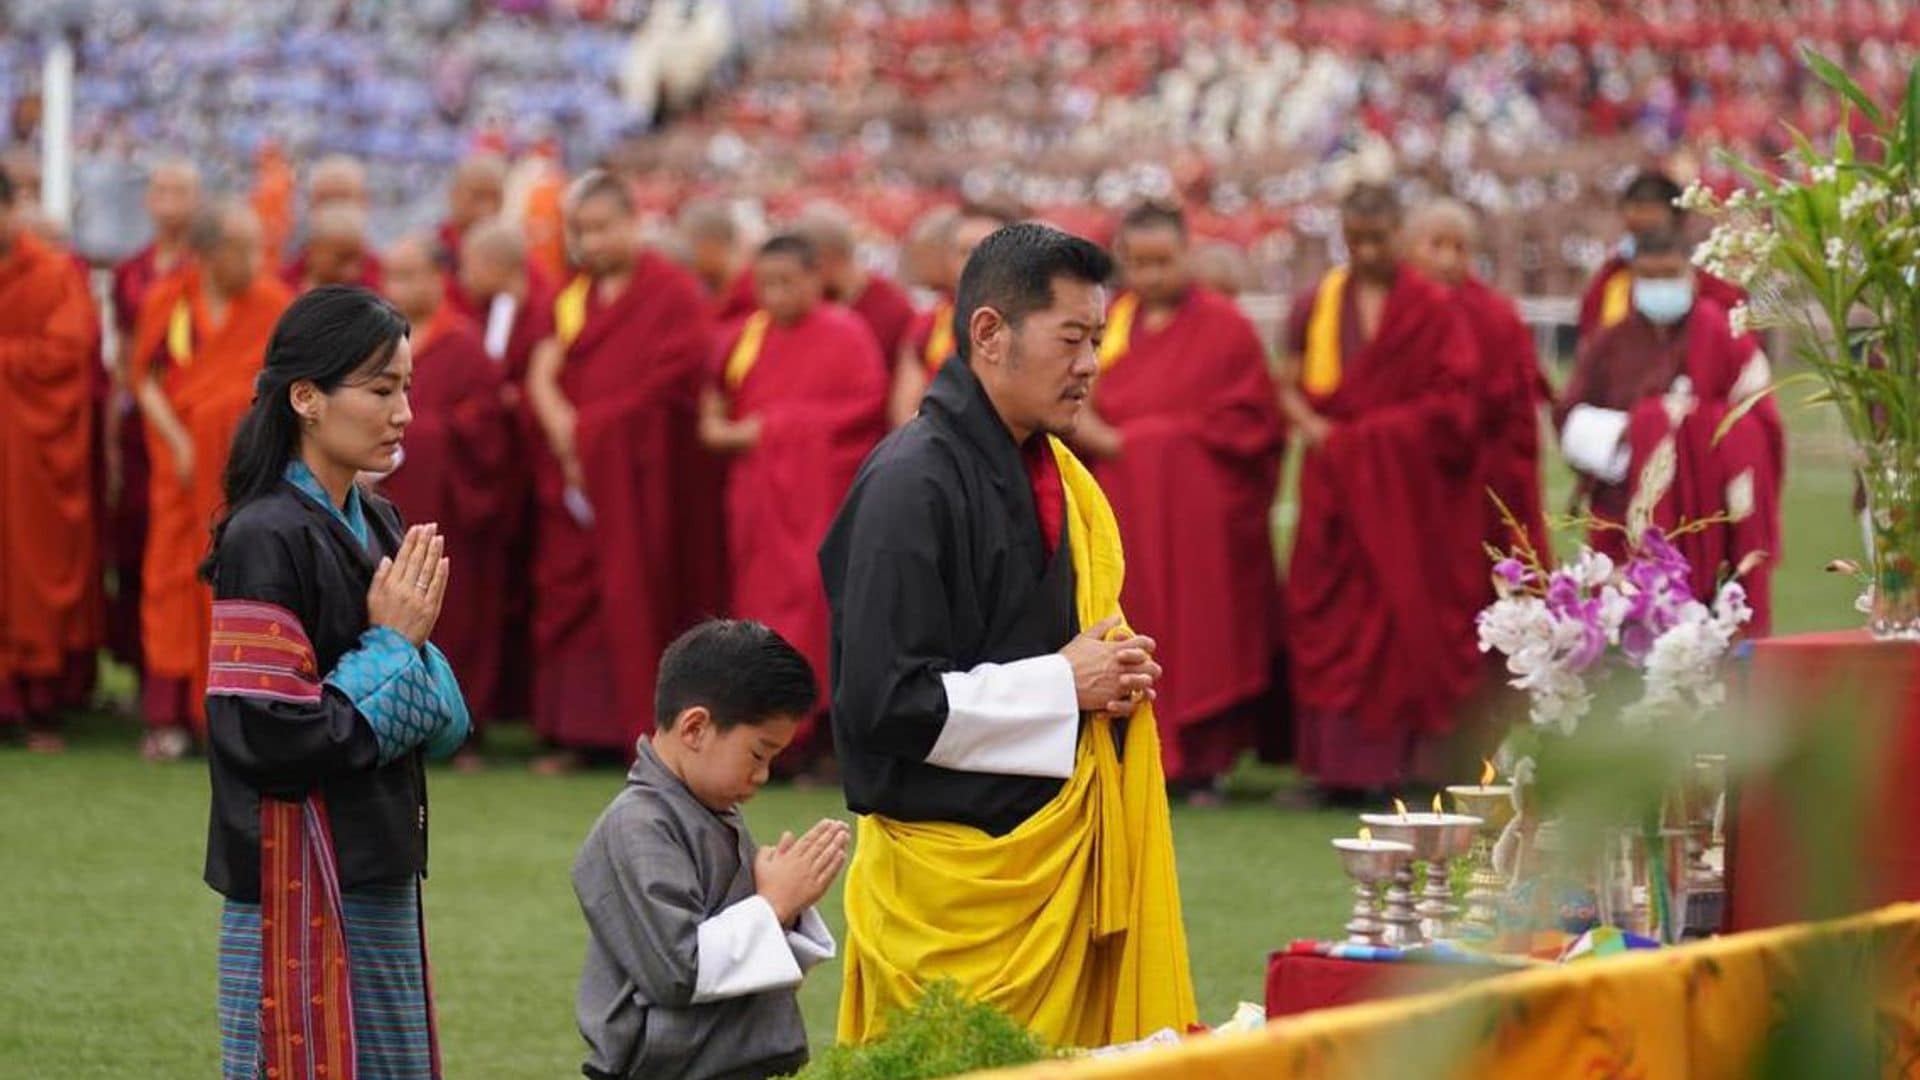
point(1487, 772)
point(1437, 807)
point(1399, 807)
point(1366, 833)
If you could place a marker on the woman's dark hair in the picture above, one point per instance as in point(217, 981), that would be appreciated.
point(324, 337)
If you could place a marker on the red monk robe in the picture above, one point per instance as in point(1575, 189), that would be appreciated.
point(612, 591)
point(736, 303)
point(531, 321)
point(1633, 368)
point(48, 545)
point(124, 521)
point(1609, 296)
point(1509, 391)
point(456, 448)
point(932, 335)
point(294, 274)
point(207, 373)
point(1193, 489)
point(820, 392)
point(1378, 653)
point(887, 311)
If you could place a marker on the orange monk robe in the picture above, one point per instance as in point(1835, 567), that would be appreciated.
point(456, 449)
point(820, 392)
point(48, 541)
point(207, 372)
point(1193, 486)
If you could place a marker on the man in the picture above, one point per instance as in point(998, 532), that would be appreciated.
point(1508, 386)
point(476, 193)
point(457, 446)
point(880, 303)
point(509, 290)
point(800, 399)
point(1647, 203)
point(48, 333)
point(627, 502)
point(1658, 385)
point(931, 340)
point(974, 576)
point(710, 237)
point(197, 347)
point(1378, 365)
point(1184, 415)
point(173, 198)
point(337, 203)
point(336, 252)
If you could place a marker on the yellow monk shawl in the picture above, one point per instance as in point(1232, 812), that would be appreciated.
point(746, 351)
point(1616, 297)
point(570, 309)
point(939, 338)
point(1119, 333)
point(1071, 922)
point(1320, 366)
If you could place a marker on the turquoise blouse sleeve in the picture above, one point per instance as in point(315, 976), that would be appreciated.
point(454, 722)
point(395, 687)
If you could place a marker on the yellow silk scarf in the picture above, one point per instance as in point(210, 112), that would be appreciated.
point(746, 351)
point(1119, 332)
point(1071, 922)
point(570, 309)
point(1616, 298)
point(1320, 367)
point(180, 334)
point(939, 338)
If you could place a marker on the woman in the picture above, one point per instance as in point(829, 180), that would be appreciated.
point(322, 700)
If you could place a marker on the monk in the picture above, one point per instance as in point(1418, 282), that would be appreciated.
point(1379, 362)
point(48, 335)
point(173, 197)
point(800, 399)
point(344, 259)
point(1184, 416)
point(879, 301)
point(456, 448)
point(197, 346)
point(930, 342)
point(1659, 384)
point(476, 193)
point(627, 501)
point(1648, 202)
point(1508, 387)
point(513, 292)
point(715, 252)
point(337, 252)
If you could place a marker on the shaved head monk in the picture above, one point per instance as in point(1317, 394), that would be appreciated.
point(880, 302)
point(1376, 385)
point(476, 193)
point(627, 513)
point(930, 341)
point(198, 343)
point(48, 333)
point(336, 251)
point(797, 399)
point(450, 470)
point(710, 236)
point(173, 198)
point(1185, 436)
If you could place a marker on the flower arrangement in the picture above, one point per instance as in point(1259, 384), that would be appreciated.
point(1828, 247)
point(1561, 628)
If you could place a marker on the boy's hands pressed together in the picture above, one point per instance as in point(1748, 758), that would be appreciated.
point(794, 874)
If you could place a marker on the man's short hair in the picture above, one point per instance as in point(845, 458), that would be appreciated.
point(740, 671)
point(1651, 186)
point(1371, 200)
point(1154, 215)
point(599, 183)
point(795, 246)
point(1013, 269)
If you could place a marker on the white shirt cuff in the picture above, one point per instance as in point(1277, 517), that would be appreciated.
point(743, 950)
point(812, 943)
point(1595, 442)
point(1018, 719)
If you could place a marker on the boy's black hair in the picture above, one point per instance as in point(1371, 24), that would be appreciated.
point(1652, 186)
point(740, 671)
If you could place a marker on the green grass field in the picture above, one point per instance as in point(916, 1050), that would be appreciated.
point(107, 968)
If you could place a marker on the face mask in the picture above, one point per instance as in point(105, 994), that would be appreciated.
point(1626, 248)
point(1664, 301)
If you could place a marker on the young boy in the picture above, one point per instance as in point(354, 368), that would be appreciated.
point(697, 939)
